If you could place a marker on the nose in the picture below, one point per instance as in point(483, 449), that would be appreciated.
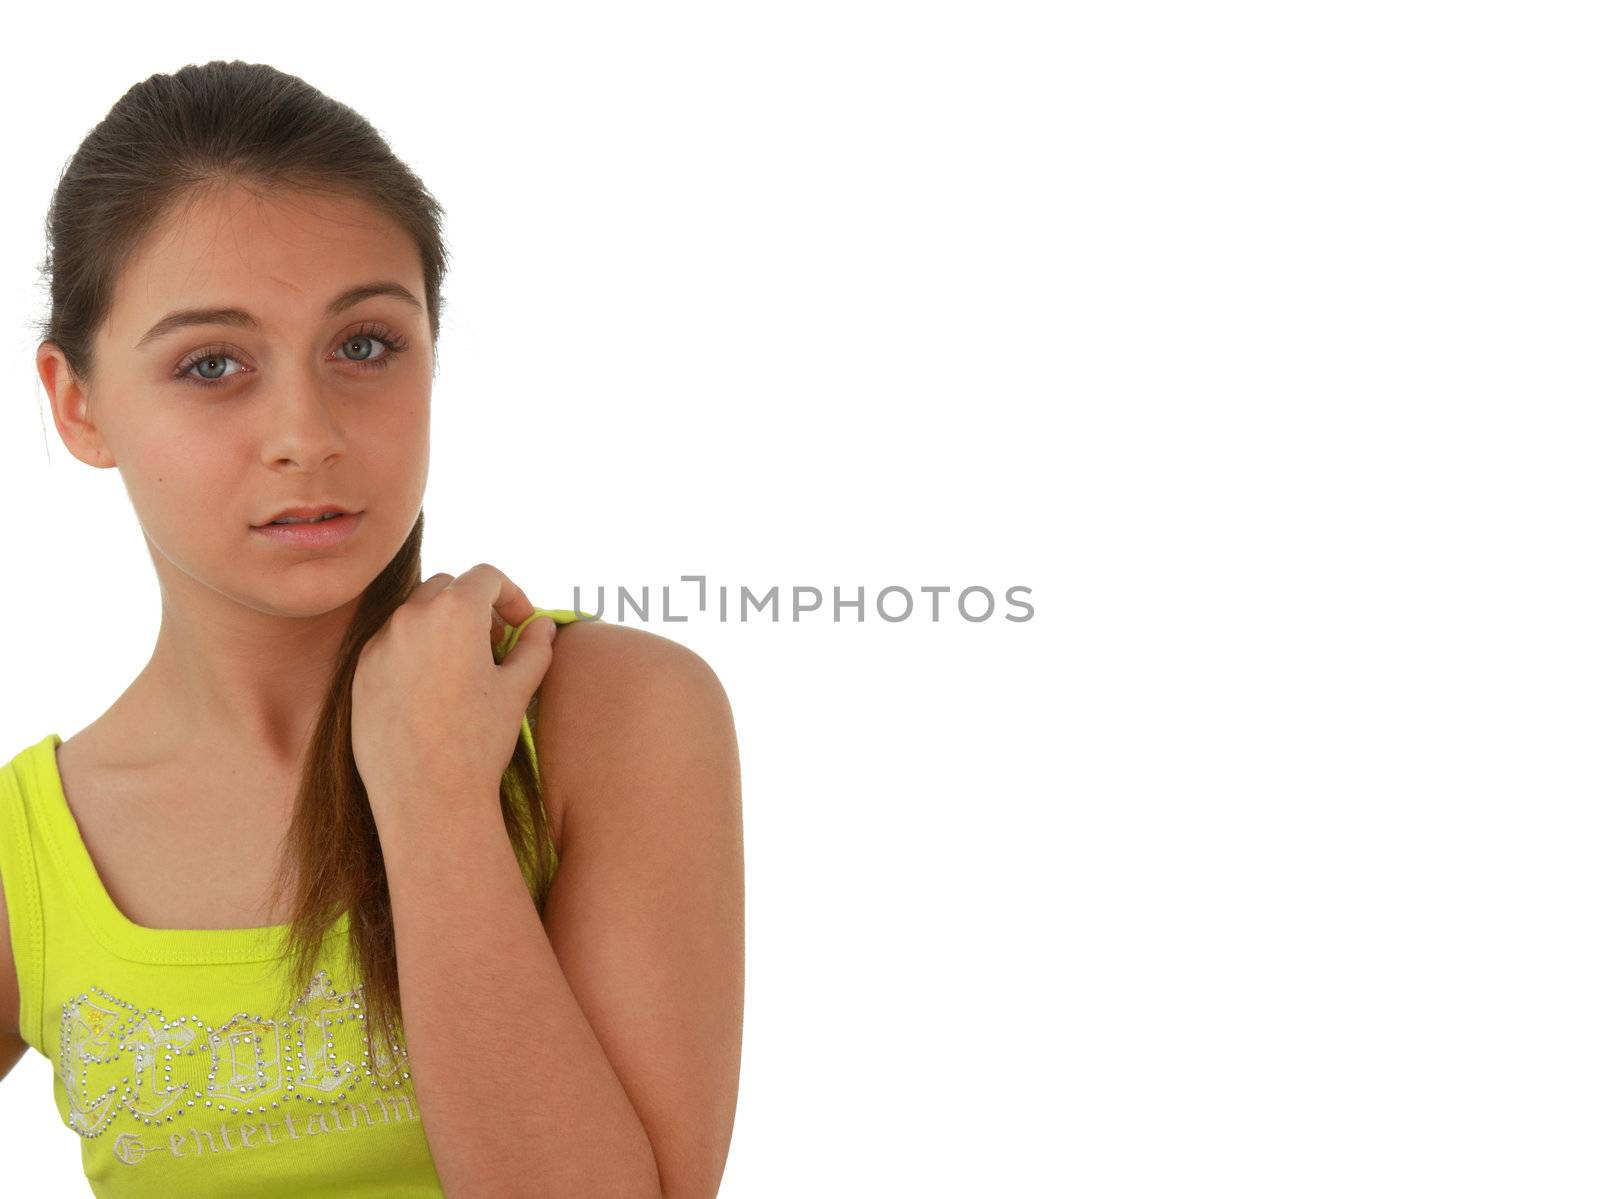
point(302, 425)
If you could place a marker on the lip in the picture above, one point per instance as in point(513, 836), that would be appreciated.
point(323, 533)
point(306, 511)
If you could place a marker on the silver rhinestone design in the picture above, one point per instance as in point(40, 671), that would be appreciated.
point(116, 1058)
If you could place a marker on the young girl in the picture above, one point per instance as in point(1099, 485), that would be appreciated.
point(287, 919)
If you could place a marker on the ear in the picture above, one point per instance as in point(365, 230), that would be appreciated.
point(69, 405)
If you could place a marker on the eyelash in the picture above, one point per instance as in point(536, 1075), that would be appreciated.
point(395, 343)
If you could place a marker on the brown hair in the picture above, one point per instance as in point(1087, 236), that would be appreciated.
point(166, 142)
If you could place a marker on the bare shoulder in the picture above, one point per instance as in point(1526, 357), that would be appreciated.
point(617, 697)
point(646, 914)
point(597, 659)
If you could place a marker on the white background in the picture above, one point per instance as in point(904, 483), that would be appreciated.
point(1257, 340)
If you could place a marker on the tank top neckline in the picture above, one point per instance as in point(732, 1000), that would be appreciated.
point(114, 931)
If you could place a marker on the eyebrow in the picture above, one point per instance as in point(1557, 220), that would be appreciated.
point(238, 316)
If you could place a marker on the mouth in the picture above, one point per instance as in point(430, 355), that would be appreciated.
point(306, 515)
point(312, 533)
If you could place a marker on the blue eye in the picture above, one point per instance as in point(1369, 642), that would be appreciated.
point(370, 341)
point(211, 362)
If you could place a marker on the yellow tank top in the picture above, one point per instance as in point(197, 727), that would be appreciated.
point(175, 1058)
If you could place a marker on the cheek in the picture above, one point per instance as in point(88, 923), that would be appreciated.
point(184, 483)
point(409, 414)
point(396, 440)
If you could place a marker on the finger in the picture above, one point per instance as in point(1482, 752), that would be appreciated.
point(530, 655)
point(429, 587)
point(498, 593)
point(435, 585)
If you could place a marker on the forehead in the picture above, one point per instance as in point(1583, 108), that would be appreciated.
point(279, 254)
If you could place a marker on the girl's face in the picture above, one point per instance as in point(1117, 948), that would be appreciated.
point(307, 382)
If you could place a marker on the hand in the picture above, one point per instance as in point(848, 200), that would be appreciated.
point(432, 713)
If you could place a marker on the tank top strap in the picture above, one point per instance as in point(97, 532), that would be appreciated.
point(508, 639)
point(20, 877)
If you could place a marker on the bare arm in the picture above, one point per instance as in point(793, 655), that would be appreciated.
point(596, 1051)
point(12, 1047)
